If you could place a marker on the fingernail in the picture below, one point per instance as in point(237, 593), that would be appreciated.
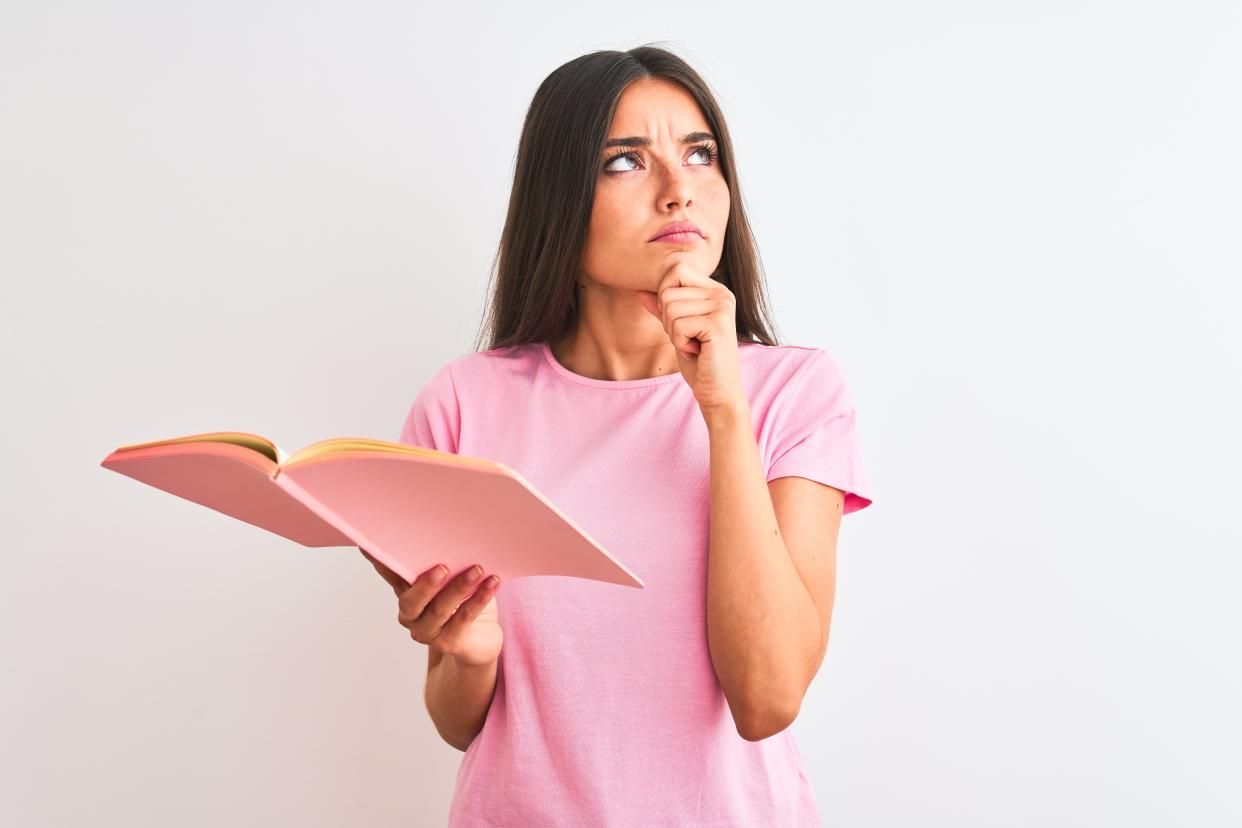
point(492, 582)
point(438, 575)
point(475, 573)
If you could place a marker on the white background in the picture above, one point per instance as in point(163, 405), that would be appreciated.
point(1016, 225)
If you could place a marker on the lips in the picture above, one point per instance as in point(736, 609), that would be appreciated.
point(678, 227)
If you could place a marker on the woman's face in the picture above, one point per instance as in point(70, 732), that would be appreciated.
point(640, 189)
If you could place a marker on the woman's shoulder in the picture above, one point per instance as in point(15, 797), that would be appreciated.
point(778, 351)
point(488, 364)
point(781, 359)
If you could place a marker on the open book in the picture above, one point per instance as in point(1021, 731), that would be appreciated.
point(409, 507)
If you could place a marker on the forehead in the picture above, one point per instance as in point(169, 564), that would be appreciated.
point(656, 108)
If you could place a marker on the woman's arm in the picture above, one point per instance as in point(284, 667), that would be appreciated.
point(458, 696)
point(764, 629)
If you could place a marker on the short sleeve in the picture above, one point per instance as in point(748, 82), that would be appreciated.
point(434, 419)
point(815, 434)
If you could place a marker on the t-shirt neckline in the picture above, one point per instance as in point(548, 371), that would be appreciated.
point(601, 383)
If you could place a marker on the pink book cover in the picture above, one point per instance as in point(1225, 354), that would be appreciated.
point(408, 506)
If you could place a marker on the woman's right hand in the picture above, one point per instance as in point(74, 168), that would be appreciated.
point(452, 616)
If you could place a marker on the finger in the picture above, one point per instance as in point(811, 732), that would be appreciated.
point(675, 276)
point(683, 308)
point(649, 301)
point(683, 319)
point(471, 608)
point(682, 274)
point(687, 329)
point(426, 605)
point(394, 580)
point(675, 294)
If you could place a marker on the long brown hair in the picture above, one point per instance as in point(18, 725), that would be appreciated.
point(536, 266)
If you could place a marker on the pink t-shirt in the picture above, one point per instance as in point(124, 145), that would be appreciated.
point(607, 709)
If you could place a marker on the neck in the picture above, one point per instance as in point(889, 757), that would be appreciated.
point(613, 355)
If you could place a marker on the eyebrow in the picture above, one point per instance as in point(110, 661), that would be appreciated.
point(640, 141)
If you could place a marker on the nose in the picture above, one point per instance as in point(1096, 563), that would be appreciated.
point(675, 187)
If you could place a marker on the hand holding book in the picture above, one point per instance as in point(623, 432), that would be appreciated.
point(454, 616)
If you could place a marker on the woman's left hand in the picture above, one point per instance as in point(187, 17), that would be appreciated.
point(699, 315)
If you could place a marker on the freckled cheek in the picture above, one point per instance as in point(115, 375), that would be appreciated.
point(615, 222)
point(602, 221)
point(606, 213)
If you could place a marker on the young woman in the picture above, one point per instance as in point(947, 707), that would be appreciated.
point(630, 376)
